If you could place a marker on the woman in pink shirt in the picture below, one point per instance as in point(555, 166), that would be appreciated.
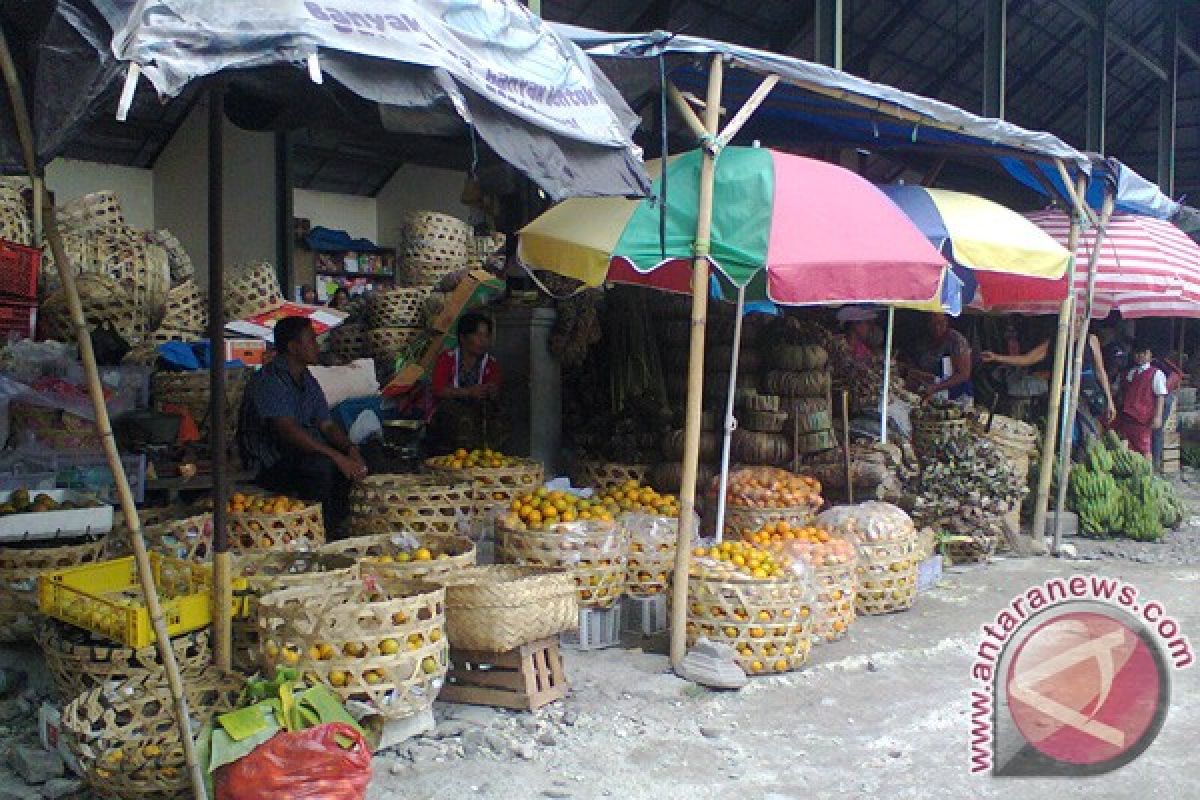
point(860, 333)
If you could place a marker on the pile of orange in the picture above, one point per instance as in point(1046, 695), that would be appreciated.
point(407, 555)
point(771, 487)
point(815, 546)
point(473, 459)
point(632, 496)
point(744, 558)
point(542, 509)
point(261, 504)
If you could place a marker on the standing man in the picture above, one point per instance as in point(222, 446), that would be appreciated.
point(1143, 393)
point(287, 434)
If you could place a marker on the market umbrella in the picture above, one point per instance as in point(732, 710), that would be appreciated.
point(779, 232)
point(983, 240)
point(1146, 267)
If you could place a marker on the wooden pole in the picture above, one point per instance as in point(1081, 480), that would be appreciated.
point(1050, 434)
point(1081, 344)
point(222, 570)
point(846, 446)
point(691, 449)
point(66, 275)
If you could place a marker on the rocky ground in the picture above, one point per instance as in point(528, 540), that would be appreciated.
point(882, 713)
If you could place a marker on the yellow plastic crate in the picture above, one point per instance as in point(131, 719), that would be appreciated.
point(106, 598)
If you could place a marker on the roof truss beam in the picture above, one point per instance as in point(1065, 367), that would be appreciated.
point(1131, 48)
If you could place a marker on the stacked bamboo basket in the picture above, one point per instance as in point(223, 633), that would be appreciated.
point(886, 542)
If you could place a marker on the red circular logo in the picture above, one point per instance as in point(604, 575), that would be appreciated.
point(1084, 688)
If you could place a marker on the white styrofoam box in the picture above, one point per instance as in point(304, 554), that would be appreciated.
point(929, 572)
point(54, 524)
point(646, 615)
point(598, 628)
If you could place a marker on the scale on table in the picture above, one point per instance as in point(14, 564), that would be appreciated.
point(403, 441)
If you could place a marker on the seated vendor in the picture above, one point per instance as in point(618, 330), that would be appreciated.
point(286, 433)
point(466, 388)
point(945, 361)
point(860, 333)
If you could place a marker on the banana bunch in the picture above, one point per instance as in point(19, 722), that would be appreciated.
point(1141, 511)
point(1098, 457)
point(1167, 501)
point(1128, 464)
point(1096, 500)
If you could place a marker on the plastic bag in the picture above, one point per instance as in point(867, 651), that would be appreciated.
point(307, 765)
point(868, 522)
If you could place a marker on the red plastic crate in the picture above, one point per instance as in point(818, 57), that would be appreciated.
point(19, 318)
point(19, 267)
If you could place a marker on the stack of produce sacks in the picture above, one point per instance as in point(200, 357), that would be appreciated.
point(1115, 491)
point(758, 495)
point(966, 490)
point(562, 530)
point(757, 599)
point(885, 540)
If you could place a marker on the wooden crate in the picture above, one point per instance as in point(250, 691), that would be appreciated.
point(524, 679)
point(1170, 459)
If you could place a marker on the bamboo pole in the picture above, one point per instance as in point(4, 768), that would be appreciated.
point(1050, 434)
point(729, 423)
point(846, 446)
point(222, 569)
point(691, 450)
point(752, 103)
point(66, 276)
point(1081, 345)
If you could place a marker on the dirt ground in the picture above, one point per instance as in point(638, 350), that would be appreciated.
point(882, 713)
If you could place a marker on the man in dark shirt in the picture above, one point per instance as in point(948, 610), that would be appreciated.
point(287, 434)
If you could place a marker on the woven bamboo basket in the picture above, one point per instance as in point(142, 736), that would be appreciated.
point(741, 521)
point(116, 544)
point(887, 575)
point(138, 265)
point(396, 308)
point(420, 273)
point(1012, 437)
point(602, 474)
point(494, 487)
point(832, 566)
point(763, 421)
point(289, 532)
point(434, 245)
point(186, 309)
point(417, 503)
point(259, 573)
point(126, 740)
point(395, 554)
point(91, 212)
point(810, 383)
point(191, 390)
point(348, 341)
point(79, 661)
point(650, 563)
point(499, 608)
point(103, 300)
point(254, 290)
point(816, 441)
point(593, 552)
point(763, 402)
point(19, 570)
point(928, 432)
point(378, 644)
point(388, 342)
point(15, 225)
point(188, 538)
point(976, 549)
point(768, 622)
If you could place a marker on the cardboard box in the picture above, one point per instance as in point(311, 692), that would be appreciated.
point(250, 352)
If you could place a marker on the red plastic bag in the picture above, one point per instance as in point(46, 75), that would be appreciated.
point(306, 765)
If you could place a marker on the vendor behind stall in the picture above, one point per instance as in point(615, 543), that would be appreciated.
point(466, 390)
point(944, 361)
point(860, 333)
point(286, 432)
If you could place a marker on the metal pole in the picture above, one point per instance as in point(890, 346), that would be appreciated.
point(887, 375)
point(1081, 344)
point(730, 423)
point(1097, 78)
point(995, 13)
point(691, 449)
point(827, 35)
point(1168, 96)
point(222, 569)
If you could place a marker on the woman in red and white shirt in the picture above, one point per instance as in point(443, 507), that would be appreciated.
point(1143, 394)
point(466, 383)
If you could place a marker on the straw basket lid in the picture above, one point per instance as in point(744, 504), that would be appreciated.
point(253, 290)
point(103, 300)
point(91, 211)
point(185, 309)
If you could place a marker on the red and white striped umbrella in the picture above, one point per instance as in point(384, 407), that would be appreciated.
point(1147, 268)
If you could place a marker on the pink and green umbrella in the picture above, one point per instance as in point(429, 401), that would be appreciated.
point(786, 228)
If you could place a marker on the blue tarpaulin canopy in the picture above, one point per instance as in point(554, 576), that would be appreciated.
point(1134, 194)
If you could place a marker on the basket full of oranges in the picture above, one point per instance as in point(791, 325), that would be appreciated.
point(757, 496)
point(558, 529)
point(651, 522)
point(412, 556)
point(497, 479)
point(269, 522)
point(752, 598)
